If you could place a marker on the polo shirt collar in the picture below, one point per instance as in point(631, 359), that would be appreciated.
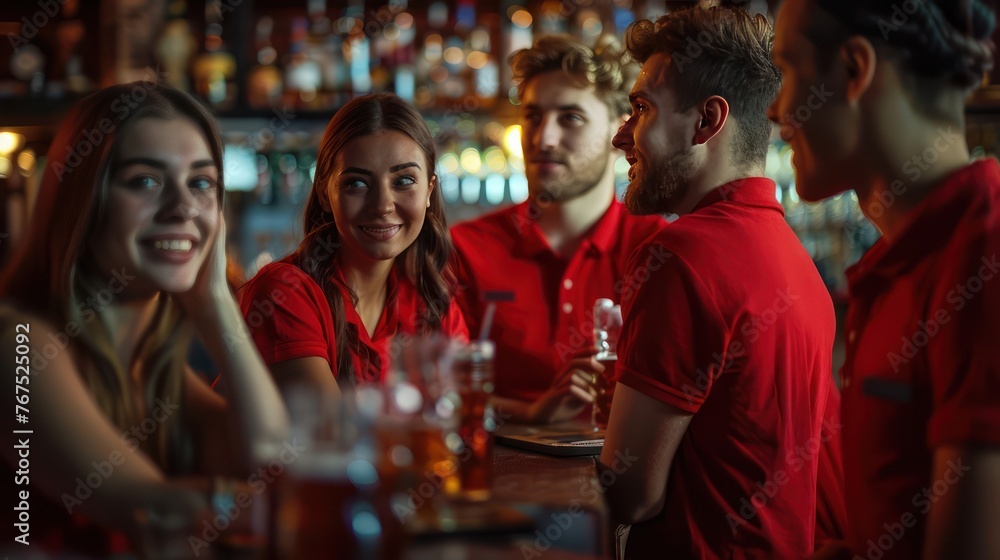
point(748, 191)
point(388, 322)
point(601, 237)
point(930, 225)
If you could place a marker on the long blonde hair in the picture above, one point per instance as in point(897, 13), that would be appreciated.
point(53, 272)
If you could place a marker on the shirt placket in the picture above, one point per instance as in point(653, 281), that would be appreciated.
point(857, 317)
point(572, 306)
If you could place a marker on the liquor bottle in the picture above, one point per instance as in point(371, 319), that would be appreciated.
point(303, 76)
point(215, 69)
point(264, 81)
point(71, 33)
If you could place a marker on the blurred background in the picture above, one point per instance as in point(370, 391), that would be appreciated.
point(275, 71)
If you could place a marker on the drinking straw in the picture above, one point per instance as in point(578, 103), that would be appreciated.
point(491, 308)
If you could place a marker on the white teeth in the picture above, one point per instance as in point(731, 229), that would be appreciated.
point(378, 230)
point(181, 245)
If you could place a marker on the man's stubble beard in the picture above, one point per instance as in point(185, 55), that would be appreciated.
point(661, 187)
point(584, 176)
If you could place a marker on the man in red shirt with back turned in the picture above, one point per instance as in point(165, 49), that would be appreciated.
point(568, 244)
point(717, 430)
point(873, 99)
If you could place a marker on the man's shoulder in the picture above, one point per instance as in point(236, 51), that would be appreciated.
point(691, 232)
point(636, 230)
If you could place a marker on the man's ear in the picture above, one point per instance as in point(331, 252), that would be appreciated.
point(714, 113)
point(858, 56)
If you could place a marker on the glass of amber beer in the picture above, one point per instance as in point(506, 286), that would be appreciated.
point(418, 427)
point(607, 328)
point(473, 371)
point(332, 496)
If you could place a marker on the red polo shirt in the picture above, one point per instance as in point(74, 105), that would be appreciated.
point(735, 327)
point(288, 317)
point(922, 369)
point(551, 316)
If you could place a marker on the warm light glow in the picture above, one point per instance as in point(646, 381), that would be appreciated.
point(10, 142)
point(404, 20)
point(495, 159)
point(391, 32)
point(26, 162)
point(438, 74)
point(4, 168)
point(432, 48)
point(480, 40)
point(477, 59)
point(493, 132)
point(449, 163)
point(592, 26)
point(521, 18)
point(472, 162)
point(454, 55)
point(512, 141)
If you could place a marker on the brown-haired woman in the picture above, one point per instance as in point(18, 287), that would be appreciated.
point(374, 261)
point(124, 257)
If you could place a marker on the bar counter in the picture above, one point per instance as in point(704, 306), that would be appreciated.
point(561, 494)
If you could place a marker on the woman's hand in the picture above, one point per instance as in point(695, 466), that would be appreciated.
point(211, 287)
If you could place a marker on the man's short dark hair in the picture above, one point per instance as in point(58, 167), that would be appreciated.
point(945, 41)
point(722, 51)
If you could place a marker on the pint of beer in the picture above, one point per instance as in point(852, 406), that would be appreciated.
point(473, 367)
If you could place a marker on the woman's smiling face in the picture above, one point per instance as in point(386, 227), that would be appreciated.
point(162, 207)
point(379, 193)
